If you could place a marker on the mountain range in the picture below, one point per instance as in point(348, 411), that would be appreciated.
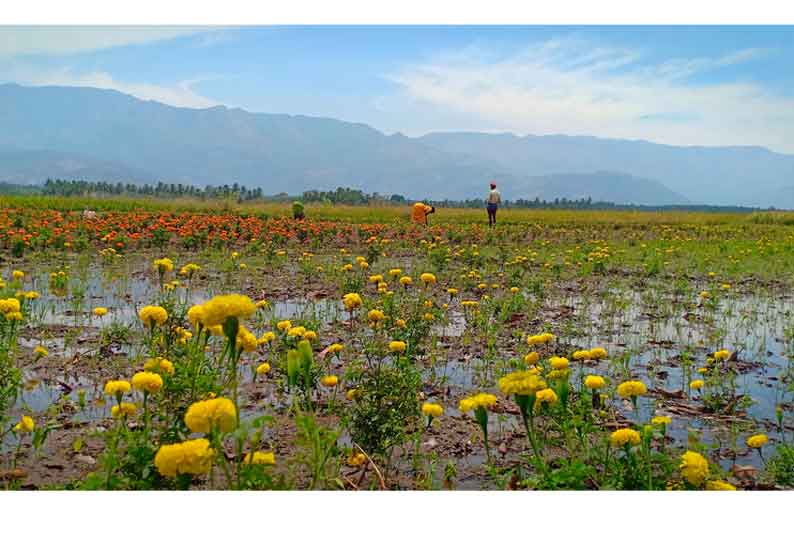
point(97, 134)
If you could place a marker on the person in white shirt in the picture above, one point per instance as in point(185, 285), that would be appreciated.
point(493, 201)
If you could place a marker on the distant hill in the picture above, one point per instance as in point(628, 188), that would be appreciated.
point(96, 134)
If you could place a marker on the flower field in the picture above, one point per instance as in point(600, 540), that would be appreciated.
point(190, 347)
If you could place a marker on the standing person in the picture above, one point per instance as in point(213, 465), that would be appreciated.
point(420, 212)
point(493, 201)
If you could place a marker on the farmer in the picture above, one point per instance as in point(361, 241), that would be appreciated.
point(420, 212)
point(493, 201)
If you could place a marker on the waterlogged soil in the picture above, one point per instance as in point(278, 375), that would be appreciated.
point(651, 331)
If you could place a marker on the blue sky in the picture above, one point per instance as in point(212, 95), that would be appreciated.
point(678, 85)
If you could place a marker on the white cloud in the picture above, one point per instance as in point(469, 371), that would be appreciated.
point(181, 94)
point(578, 88)
point(66, 40)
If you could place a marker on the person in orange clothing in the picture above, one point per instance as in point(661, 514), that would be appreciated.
point(420, 212)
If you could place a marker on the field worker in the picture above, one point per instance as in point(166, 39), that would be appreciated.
point(493, 201)
point(420, 212)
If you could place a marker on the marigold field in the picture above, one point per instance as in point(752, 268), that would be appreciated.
point(185, 345)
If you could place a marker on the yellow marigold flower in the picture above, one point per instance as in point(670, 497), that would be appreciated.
point(756, 441)
point(10, 305)
point(329, 381)
point(189, 457)
point(40, 351)
point(514, 290)
point(696, 384)
point(558, 363)
point(25, 425)
point(147, 381)
point(353, 394)
point(558, 374)
point(189, 269)
point(376, 279)
point(296, 331)
point(263, 369)
point(163, 265)
point(221, 307)
point(397, 346)
point(483, 400)
point(432, 409)
point(202, 416)
point(545, 396)
point(428, 278)
point(124, 409)
point(195, 315)
point(722, 355)
point(267, 337)
point(310, 335)
point(694, 468)
point(399, 323)
point(719, 485)
point(531, 358)
point(406, 281)
point(539, 339)
point(32, 295)
point(661, 420)
point(14, 316)
point(352, 301)
point(581, 355)
point(284, 325)
point(246, 340)
point(521, 383)
point(335, 348)
point(356, 460)
point(153, 314)
point(632, 388)
point(452, 291)
point(396, 272)
point(594, 382)
point(375, 316)
point(17, 274)
point(428, 317)
point(216, 331)
point(262, 304)
point(621, 437)
point(260, 458)
point(598, 353)
point(100, 311)
point(114, 387)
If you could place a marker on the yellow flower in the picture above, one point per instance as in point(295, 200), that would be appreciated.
point(202, 416)
point(514, 290)
point(521, 383)
point(694, 468)
point(310, 335)
point(719, 485)
point(594, 382)
point(114, 387)
point(267, 337)
point(189, 457)
point(284, 325)
point(352, 301)
point(696, 384)
point(222, 307)
point(632, 388)
point(721, 355)
point(353, 394)
point(395, 272)
point(124, 409)
point(427, 278)
point(397, 347)
point(262, 304)
point(153, 314)
point(260, 458)
point(452, 292)
point(17, 275)
point(598, 353)
point(25, 425)
point(147, 381)
point(406, 281)
point(195, 315)
point(558, 363)
point(545, 396)
point(329, 381)
point(483, 400)
point(622, 437)
point(164, 265)
point(432, 409)
point(531, 358)
point(581, 355)
point(40, 351)
point(14, 316)
point(376, 279)
point(246, 340)
point(375, 316)
point(335, 348)
point(10, 305)
point(100, 311)
point(189, 269)
point(756, 441)
point(263, 369)
point(356, 460)
point(30, 296)
point(160, 364)
point(399, 323)
point(661, 420)
point(539, 339)
point(296, 331)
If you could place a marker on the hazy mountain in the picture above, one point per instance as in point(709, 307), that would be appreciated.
point(717, 175)
point(106, 135)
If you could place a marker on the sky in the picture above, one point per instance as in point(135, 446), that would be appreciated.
point(685, 85)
